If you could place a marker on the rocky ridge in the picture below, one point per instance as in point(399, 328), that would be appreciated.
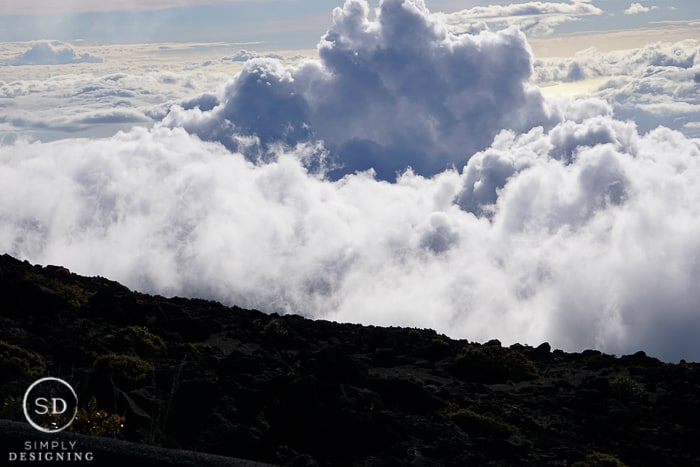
point(199, 376)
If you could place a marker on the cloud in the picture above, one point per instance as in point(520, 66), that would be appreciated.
point(388, 92)
point(651, 59)
point(44, 7)
point(245, 55)
point(533, 18)
point(637, 8)
point(653, 85)
point(51, 53)
point(134, 85)
point(584, 235)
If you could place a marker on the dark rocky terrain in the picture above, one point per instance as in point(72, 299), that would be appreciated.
point(195, 375)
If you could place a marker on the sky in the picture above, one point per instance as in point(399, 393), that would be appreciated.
point(292, 23)
point(525, 171)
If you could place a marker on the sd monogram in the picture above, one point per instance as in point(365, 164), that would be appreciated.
point(50, 405)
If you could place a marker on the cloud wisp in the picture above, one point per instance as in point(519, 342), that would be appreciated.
point(533, 18)
point(553, 222)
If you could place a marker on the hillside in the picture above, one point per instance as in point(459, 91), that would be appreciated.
point(195, 375)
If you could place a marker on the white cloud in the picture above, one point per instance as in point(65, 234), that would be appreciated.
point(536, 18)
point(637, 8)
point(584, 236)
point(654, 85)
point(388, 92)
point(51, 53)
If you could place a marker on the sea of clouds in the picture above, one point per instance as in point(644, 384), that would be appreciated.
point(408, 176)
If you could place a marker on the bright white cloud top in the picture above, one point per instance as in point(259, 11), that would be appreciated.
point(407, 176)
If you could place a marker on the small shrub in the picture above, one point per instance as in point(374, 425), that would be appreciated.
point(492, 364)
point(12, 409)
point(475, 423)
point(17, 362)
point(627, 389)
point(450, 408)
point(413, 335)
point(145, 343)
point(599, 459)
point(96, 422)
point(438, 348)
point(276, 328)
point(125, 369)
point(199, 348)
point(72, 294)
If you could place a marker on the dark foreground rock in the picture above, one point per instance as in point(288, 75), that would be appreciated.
point(194, 375)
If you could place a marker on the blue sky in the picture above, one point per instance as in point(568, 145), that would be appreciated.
point(277, 23)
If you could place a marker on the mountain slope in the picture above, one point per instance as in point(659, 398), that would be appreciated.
point(199, 376)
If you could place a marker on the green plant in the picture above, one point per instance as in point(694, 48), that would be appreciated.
point(450, 407)
point(126, 370)
point(492, 364)
point(627, 389)
point(475, 423)
point(17, 362)
point(413, 335)
point(276, 328)
point(73, 294)
point(145, 343)
point(12, 409)
point(439, 341)
point(599, 459)
point(92, 421)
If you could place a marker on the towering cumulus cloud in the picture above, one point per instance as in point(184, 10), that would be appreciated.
point(579, 230)
point(388, 93)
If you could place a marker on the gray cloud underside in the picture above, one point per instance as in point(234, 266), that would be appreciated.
point(559, 222)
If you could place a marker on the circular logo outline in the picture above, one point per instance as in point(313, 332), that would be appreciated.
point(26, 396)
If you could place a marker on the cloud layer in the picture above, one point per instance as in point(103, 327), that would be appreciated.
point(51, 53)
point(133, 85)
point(584, 236)
point(658, 84)
point(559, 221)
